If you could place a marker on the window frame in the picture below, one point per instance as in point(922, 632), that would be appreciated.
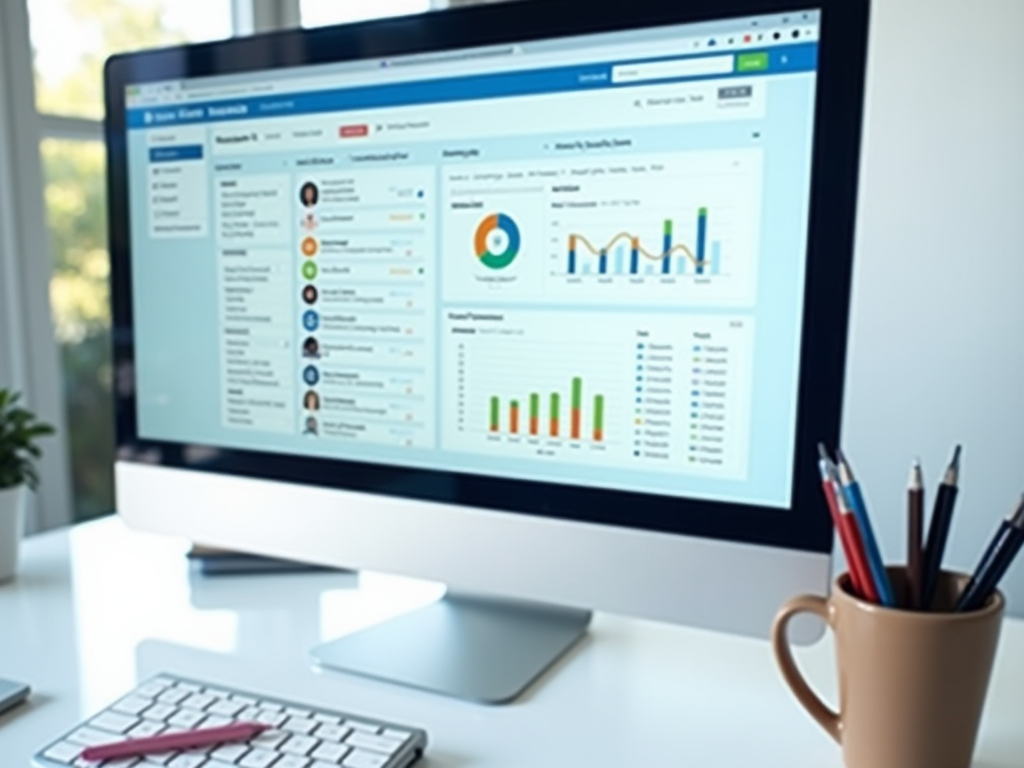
point(29, 353)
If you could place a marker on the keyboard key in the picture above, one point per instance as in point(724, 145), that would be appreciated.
point(230, 753)
point(132, 705)
point(190, 687)
point(258, 758)
point(199, 701)
point(270, 739)
point(360, 759)
point(332, 732)
point(325, 718)
point(113, 721)
point(186, 719)
point(271, 706)
point(362, 740)
point(123, 762)
point(92, 737)
point(330, 751)
point(159, 711)
point(394, 733)
point(249, 714)
point(300, 725)
point(292, 761)
point(247, 701)
point(299, 745)
point(166, 682)
point(63, 752)
point(225, 707)
point(359, 725)
point(321, 764)
point(297, 712)
point(186, 760)
point(150, 690)
point(174, 696)
point(159, 758)
point(271, 718)
point(216, 721)
point(219, 693)
point(146, 728)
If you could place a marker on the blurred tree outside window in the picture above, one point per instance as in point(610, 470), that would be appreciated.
point(71, 39)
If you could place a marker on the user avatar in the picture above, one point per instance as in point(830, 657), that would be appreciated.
point(309, 294)
point(309, 194)
point(311, 401)
point(311, 348)
point(309, 222)
point(311, 375)
point(310, 246)
point(309, 270)
point(312, 428)
point(310, 320)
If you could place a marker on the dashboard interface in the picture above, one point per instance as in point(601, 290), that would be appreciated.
point(578, 261)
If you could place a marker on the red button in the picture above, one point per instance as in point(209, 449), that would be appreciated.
point(351, 131)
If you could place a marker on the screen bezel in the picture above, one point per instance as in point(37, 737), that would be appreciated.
point(837, 123)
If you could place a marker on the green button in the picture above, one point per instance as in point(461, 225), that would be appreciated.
point(752, 62)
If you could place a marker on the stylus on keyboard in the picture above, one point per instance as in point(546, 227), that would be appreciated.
point(201, 737)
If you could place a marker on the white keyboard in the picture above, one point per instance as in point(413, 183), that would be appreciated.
point(299, 737)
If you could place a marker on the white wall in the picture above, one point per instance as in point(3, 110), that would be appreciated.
point(937, 342)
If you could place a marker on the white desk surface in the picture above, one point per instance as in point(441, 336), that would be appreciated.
point(97, 608)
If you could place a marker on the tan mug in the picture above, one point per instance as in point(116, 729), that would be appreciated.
point(912, 685)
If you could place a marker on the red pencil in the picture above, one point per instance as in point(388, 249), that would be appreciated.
point(201, 737)
point(846, 527)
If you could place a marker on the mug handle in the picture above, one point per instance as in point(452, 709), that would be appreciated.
point(819, 606)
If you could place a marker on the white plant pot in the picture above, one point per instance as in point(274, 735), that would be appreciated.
point(12, 527)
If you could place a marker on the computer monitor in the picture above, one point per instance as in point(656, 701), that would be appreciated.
point(546, 301)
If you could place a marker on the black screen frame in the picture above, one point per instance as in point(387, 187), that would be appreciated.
point(805, 526)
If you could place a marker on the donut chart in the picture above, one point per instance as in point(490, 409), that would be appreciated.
point(497, 241)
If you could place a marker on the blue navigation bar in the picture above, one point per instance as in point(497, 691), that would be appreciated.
point(171, 154)
point(802, 57)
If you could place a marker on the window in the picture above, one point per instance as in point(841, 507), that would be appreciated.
point(319, 13)
point(71, 39)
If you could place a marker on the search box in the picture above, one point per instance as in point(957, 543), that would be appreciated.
point(665, 70)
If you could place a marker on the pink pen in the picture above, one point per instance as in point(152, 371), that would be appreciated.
point(201, 737)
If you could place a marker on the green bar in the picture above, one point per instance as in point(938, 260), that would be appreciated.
point(577, 393)
point(554, 426)
point(668, 227)
point(702, 213)
point(752, 62)
point(495, 414)
point(598, 413)
point(535, 406)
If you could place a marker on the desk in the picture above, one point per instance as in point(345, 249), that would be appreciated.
point(96, 608)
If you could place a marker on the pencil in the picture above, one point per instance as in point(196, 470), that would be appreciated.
point(938, 530)
point(915, 532)
point(855, 499)
point(1007, 543)
point(833, 495)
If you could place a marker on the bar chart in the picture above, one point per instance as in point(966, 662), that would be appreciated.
point(549, 420)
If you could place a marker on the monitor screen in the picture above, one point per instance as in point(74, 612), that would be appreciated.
point(577, 261)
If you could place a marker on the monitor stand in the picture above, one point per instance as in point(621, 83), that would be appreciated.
point(484, 650)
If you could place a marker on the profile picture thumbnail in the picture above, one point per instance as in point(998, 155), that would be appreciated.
point(309, 270)
point(309, 294)
point(311, 348)
point(309, 222)
point(310, 246)
point(310, 320)
point(309, 194)
point(311, 400)
point(311, 375)
point(312, 428)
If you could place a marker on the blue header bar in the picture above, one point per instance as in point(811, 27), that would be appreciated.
point(784, 59)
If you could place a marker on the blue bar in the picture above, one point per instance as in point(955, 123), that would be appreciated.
point(666, 260)
point(716, 258)
point(172, 154)
point(801, 57)
point(634, 261)
point(602, 262)
point(572, 262)
point(620, 259)
point(702, 236)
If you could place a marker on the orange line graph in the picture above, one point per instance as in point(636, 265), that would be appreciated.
point(634, 243)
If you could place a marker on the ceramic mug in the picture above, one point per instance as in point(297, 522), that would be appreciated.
point(912, 684)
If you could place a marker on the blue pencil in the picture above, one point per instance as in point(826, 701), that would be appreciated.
point(855, 500)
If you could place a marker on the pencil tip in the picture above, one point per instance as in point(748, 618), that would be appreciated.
point(956, 456)
point(823, 452)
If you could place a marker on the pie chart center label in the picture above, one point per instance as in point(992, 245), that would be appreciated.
point(497, 241)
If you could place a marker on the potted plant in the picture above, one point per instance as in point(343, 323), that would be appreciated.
point(19, 451)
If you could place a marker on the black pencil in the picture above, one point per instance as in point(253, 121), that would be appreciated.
point(938, 531)
point(915, 533)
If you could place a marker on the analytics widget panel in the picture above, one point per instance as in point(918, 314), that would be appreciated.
point(573, 272)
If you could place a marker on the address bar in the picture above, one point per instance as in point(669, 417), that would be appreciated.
point(665, 70)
